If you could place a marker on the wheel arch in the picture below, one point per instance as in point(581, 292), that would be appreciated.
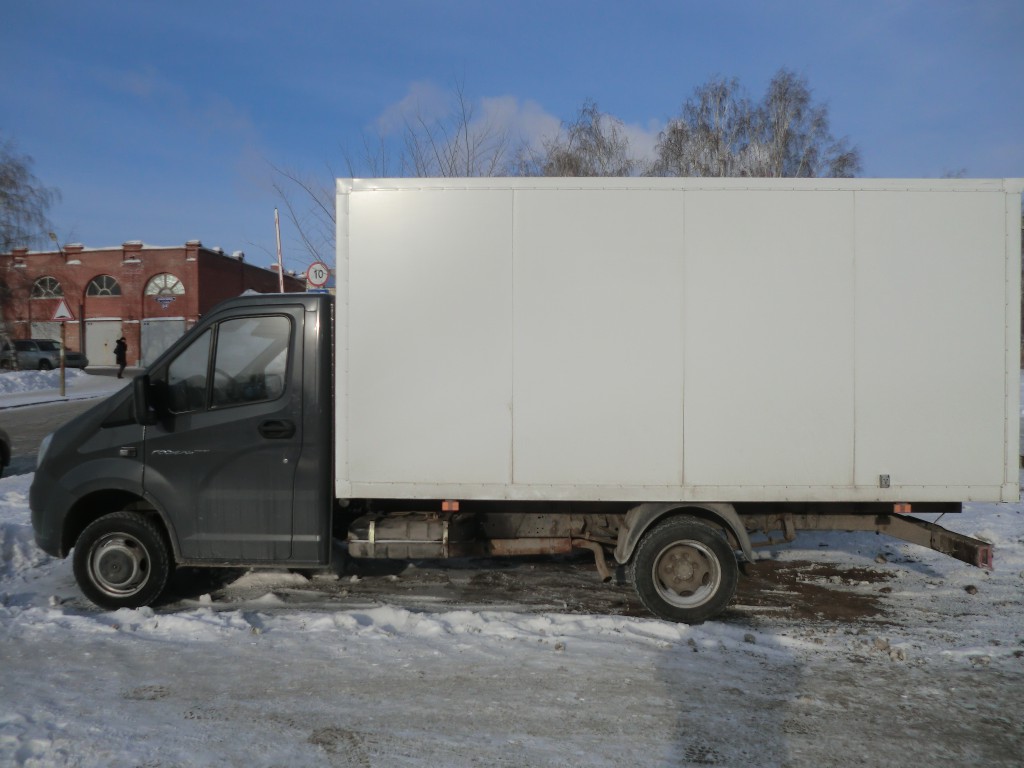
point(96, 504)
point(640, 518)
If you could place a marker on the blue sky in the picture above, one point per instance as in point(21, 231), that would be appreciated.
point(160, 121)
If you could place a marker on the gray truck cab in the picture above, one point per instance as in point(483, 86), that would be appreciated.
point(219, 454)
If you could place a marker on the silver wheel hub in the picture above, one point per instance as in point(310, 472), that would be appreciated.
point(119, 565)
point(686, 574)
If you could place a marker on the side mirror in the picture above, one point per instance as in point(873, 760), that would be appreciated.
point(142, 401)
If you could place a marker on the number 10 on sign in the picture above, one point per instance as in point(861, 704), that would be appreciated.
point(317, 274)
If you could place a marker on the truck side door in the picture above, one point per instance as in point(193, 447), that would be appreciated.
point(221, 462)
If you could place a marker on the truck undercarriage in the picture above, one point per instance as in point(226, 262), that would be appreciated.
point(688, 574)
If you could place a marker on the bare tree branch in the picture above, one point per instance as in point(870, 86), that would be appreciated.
point(313, 218)
point(593, 144)
point(24, 200)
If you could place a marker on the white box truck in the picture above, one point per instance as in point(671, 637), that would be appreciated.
point(662, 371)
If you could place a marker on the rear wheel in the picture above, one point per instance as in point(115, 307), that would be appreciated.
point(684, 570)
point(122, 560)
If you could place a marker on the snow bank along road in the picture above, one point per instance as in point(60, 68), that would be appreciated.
point(533, 665)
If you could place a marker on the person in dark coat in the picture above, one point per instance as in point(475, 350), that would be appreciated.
point(121, 355)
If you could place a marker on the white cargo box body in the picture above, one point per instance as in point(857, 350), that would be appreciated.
point(678, 339)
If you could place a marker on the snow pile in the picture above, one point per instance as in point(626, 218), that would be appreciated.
point(340, 681)
point(19, 388)
point(18, 382)
point(20, 554)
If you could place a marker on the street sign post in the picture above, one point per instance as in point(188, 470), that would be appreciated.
point(61, 314)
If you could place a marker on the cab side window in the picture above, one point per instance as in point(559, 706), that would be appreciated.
point(186, 376)
point(251, 360)
point(237, 362)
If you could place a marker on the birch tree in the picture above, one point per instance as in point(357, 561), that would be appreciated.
point(593, 144)
point(721, 132)
point(458, 141)
point(711, 136)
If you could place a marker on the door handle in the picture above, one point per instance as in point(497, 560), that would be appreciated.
point(277, 429)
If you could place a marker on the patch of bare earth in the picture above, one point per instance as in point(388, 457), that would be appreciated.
point(807, 590)
point(768, 589)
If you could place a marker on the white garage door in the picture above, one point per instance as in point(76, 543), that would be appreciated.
point(158, 334)
point(100, 337)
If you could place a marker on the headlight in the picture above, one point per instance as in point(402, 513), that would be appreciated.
point(44, 446)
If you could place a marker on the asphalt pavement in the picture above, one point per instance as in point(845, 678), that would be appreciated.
point(28, 417)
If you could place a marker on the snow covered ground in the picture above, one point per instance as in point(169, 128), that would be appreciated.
point(20, 388)
point(249, 677)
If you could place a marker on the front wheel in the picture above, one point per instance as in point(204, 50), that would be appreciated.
point(122, 561)
point(684, 570)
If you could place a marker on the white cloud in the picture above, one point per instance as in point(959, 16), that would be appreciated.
point(424, 101)
point(157, 98)
point(525, 122)
point(522, 121)
point(643, 139)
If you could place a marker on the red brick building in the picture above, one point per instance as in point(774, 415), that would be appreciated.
point(150, 295)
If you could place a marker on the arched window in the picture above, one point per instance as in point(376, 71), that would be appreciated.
point(104, 285)
point(47, 288)
point(165, 285)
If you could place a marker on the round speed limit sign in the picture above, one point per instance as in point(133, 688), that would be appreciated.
point(317, 274)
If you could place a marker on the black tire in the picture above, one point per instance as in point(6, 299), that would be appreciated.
point(44, 365)
point(684, 570)
point(122, 560)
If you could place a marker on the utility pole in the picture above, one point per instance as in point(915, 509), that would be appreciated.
point(280, 261)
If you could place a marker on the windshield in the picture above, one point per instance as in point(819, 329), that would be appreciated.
point(49, 346)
